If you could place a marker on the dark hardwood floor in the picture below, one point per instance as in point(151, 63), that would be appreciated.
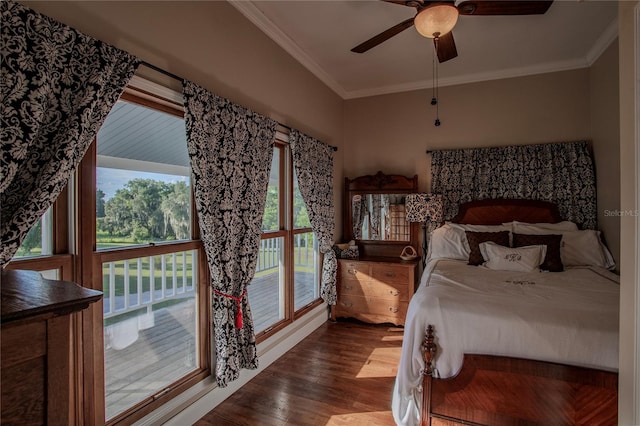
point(343, 373)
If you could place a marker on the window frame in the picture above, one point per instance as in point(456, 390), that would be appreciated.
point(287, 231)
point(60, 259)
point(76, 258)
point(89, 270)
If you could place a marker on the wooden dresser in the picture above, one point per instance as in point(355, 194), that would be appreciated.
point(36, 347)
point(375, 290)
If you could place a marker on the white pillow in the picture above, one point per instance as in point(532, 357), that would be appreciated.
point(585, 248)
point(533, 228)
point(521, 259)
point(448, 242)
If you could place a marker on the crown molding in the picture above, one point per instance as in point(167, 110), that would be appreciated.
point(603, 42)
point(255, 15)
point(472, 78)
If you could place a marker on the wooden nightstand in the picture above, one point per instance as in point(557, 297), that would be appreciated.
point(375, 290)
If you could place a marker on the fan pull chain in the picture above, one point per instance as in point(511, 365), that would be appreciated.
point(434, 98)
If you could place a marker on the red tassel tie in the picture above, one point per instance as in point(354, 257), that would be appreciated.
point(238, 304)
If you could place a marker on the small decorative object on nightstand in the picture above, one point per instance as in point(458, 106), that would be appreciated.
point(426, 209)
point(408, 253)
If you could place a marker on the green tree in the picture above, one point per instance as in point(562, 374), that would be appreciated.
point(146, 201)
point(175, 208)
point(32, 240)
point(300, 215)
point(147, 209)
point(136, 209)
point(100, 203)
point(270, 218)
point(118, 218)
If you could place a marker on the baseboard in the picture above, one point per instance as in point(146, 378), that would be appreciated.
point(191, 405)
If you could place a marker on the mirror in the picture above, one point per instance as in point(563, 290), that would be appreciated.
point(375, 214)
point(380, 217)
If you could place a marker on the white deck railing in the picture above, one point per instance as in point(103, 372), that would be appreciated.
point(128, 285)
point(134, 288)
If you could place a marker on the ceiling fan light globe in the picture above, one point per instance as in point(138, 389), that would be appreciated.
point(436, 20)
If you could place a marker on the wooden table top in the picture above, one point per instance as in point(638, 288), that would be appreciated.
point(26, 294)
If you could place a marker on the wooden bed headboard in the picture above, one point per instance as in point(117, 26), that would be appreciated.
point(498, 211)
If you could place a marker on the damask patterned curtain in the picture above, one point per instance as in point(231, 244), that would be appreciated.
point(313, 162)
point(386, 213)
point(230, 149)
point(376, 219)
point(57, 87)
point(562, 173)
point(360, 213)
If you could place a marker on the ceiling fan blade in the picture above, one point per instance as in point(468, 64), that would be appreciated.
point(383, 36)
point(445, 47)
point(499, 7)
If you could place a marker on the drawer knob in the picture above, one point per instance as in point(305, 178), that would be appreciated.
point(394, 292)
point(352, 271)
point(347, 287)
point(390, 274)
point(393, 309)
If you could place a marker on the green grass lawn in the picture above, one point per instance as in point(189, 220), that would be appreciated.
point(268, 257)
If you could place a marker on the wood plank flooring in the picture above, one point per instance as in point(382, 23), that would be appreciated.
point(165, 352)
point(343, 373)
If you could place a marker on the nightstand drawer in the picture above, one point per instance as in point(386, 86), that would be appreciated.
point(372, 309)
point(354, 270)
point(390, 273)
point(374, 289)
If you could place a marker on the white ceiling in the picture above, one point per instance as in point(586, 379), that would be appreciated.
point(320, 34)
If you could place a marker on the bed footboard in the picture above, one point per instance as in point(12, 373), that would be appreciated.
point(497, 390)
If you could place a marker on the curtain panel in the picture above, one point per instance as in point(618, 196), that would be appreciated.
point(360, 213)
point(562, 173)
point(313, 163)
point(230, 148)
point(57, 86)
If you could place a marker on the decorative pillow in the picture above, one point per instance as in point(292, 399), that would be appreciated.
point(475, 238)
point(448, 243)
point(520, 259)
point(553, 260)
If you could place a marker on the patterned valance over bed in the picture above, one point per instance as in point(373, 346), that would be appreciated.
point(562, 173)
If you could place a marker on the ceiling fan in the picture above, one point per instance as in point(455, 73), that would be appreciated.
point(436, 19)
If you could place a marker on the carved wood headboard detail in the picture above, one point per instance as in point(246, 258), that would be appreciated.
point(497, 211)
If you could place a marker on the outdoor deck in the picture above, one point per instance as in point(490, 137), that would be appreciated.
point(165, 340)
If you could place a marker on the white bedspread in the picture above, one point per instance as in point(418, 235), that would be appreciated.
point(569, 317)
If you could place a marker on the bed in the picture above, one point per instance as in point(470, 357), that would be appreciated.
point(502, 342)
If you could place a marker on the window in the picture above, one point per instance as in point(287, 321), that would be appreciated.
point(46, 247)
point(127, 226)
point(145, 257)
point(286, 282)
point(39, 240)
point(305, 253)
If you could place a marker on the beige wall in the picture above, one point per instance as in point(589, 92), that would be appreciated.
point(605, 136)
point(392, 132)
point(212, 44)
point(629, 395)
